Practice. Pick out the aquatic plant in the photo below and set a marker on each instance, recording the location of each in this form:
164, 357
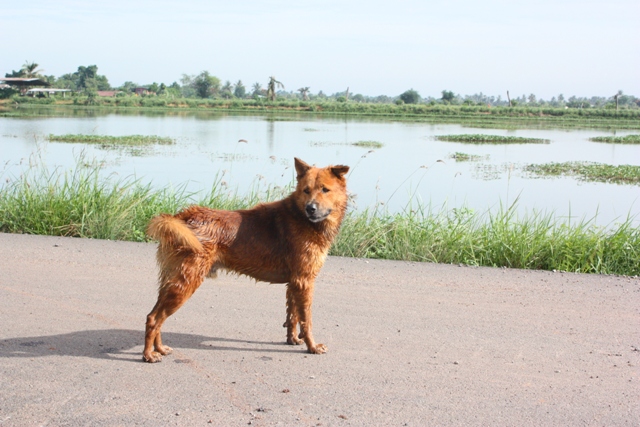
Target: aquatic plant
112, 140
368, 144
464, 157
589, 171
627, 139
490, 139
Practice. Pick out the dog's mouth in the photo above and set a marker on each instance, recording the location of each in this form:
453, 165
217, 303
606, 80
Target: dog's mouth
318, 218
316, 215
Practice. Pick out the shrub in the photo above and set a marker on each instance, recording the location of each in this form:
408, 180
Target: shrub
410, 97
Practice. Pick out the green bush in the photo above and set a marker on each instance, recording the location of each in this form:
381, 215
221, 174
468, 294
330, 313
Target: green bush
7, 92
128, 101
152, 101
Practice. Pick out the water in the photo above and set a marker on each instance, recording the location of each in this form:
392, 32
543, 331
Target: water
411, 168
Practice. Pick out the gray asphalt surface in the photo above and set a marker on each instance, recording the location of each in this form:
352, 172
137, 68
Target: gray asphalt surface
409, 344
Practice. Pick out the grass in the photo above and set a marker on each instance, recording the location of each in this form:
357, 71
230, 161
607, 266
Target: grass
83, 203
490, 139
129, 140
496, 240
627, 139
588, 171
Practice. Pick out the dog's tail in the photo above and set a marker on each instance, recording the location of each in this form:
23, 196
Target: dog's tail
171, 231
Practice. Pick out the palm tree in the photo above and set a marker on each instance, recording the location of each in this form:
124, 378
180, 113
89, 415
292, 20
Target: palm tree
226, 90
256, 89
304, 91
271, 88
30, 70
239, 90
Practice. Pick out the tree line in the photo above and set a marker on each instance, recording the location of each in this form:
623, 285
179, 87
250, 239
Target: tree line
86, 80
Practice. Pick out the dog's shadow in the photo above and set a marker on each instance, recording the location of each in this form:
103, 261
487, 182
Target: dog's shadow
120, 344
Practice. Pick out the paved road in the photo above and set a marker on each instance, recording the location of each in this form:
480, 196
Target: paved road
409, 344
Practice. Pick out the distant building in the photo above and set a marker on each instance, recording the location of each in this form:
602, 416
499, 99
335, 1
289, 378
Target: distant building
46, 91
141, 90
21, 81
23, 84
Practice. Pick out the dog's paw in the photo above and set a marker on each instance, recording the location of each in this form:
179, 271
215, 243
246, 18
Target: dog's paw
294, 341
164, 350
318, 349
152, 357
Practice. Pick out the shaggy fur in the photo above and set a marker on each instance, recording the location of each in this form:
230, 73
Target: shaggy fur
280, 242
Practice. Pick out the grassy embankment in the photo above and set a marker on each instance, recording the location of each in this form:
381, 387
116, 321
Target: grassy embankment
472, 115
82, 203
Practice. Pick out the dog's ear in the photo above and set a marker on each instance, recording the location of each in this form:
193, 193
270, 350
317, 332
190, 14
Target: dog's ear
339, 170
301, 167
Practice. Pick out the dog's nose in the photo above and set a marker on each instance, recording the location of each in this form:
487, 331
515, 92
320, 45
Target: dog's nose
311, 208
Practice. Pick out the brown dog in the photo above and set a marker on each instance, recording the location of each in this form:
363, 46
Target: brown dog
280, 242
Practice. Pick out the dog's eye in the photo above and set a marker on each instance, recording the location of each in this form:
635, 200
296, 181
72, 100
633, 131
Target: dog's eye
325, 190
307, 191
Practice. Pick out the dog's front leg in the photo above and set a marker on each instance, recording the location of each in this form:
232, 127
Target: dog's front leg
303, 298
291, 323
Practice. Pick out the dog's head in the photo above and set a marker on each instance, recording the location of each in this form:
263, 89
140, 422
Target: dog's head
321, 193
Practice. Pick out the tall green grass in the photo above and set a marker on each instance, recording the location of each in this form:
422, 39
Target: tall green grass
500, 239
84, 203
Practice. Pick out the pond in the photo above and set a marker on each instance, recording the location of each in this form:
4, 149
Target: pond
410, 169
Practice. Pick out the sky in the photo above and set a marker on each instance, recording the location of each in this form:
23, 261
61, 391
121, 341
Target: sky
544, 47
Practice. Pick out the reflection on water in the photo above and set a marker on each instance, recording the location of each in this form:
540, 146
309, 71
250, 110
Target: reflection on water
410, 168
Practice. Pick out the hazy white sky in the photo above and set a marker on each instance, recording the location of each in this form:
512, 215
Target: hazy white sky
545, 47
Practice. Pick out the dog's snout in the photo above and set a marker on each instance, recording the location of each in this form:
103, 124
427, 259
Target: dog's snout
311, 208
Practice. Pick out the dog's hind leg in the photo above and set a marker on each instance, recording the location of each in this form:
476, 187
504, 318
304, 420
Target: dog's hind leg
291, 323
172, 295
170, 299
